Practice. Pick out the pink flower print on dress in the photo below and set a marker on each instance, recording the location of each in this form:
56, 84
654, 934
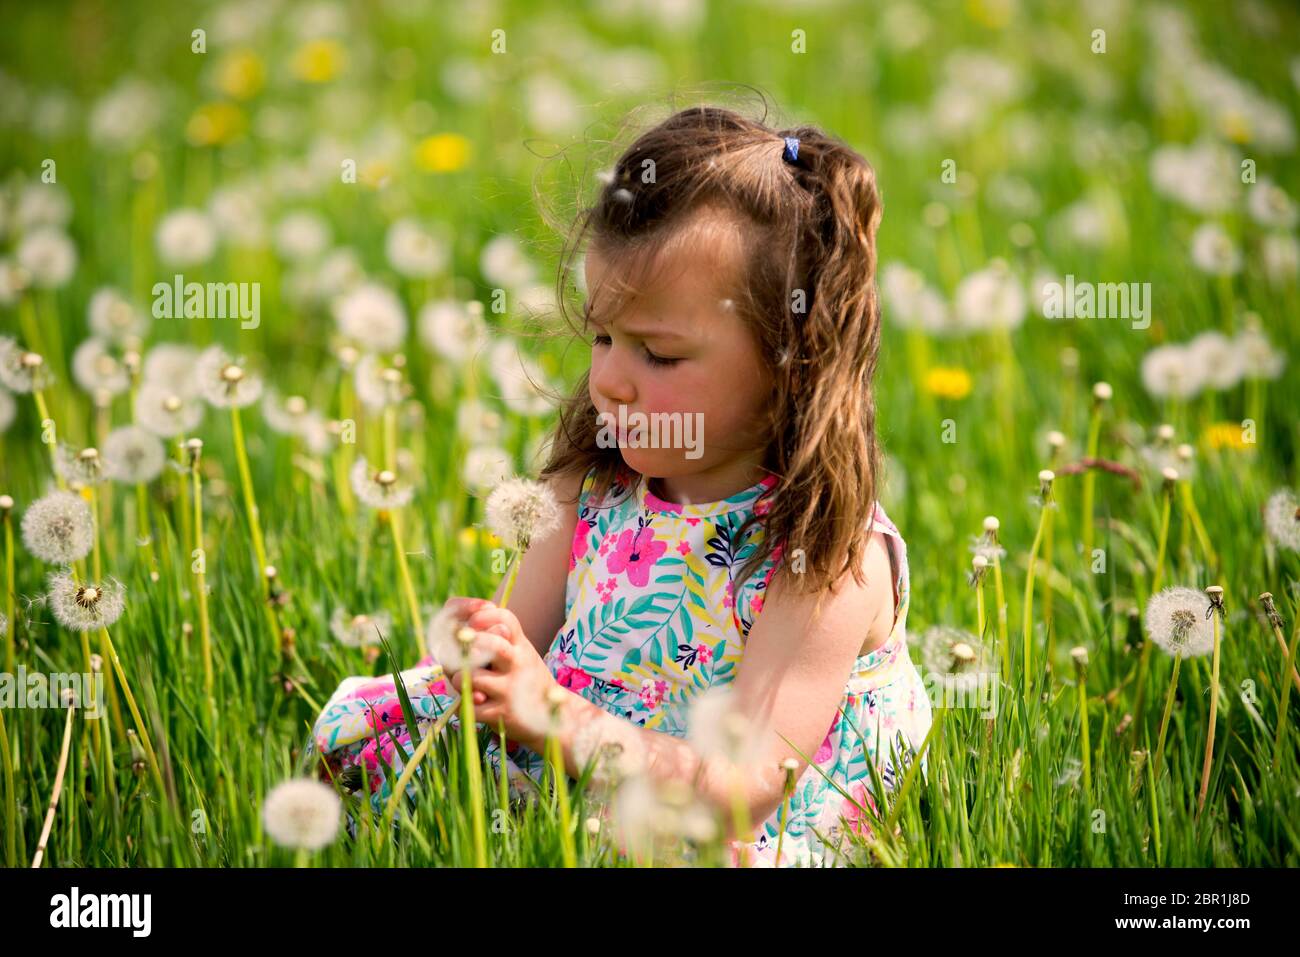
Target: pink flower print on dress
857, 817
579, 549
575, 679
692, 521
605, 542
704, 653
636, 553
438, 687
729, 599
652, 693
684, 547
825, 751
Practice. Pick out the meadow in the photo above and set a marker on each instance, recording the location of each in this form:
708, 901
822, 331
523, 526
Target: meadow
366, 197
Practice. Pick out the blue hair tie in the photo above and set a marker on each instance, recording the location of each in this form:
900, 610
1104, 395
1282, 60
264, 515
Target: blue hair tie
791, 152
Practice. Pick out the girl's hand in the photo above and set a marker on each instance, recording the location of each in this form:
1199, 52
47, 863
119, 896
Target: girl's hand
513, 688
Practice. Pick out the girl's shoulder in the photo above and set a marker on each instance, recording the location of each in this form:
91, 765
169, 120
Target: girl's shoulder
592, 496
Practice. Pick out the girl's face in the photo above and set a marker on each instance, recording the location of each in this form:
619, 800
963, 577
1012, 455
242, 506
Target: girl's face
680, 355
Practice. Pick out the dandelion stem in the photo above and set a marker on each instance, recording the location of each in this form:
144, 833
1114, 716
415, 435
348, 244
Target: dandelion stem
510, 578
145, 527
43, 412
10, 647
1169, 707
1166, 508
200, 580
1001, 597
1090, 477
57, 791
1084, 745
1282, 713
979, 607
250, 502
408, 589
1214, 710
135, 711
11, 796
472, 769
1043, 519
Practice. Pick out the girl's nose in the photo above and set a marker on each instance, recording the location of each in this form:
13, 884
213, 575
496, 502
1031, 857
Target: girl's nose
610, 380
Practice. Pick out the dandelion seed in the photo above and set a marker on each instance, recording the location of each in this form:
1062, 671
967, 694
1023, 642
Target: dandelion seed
372, 317
453, 645
529, 701
1214, 252
378, 386
22, 371
1282, 519
379, 488
301, 235
186, 237
485, 467
613, 744
954, 657
79, 466
1259, 358
302, 813
96, 369
85, 606
166, 413
356, 631
1176, 622
414, 251
112, 316
48, 256
519, 511
59, 528
223, 382
133, 455
172, 364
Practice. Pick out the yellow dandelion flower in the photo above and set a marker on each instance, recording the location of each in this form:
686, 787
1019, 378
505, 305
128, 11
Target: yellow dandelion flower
947, 383
442, 153
471, 536
215, 124
318, 61
1235, 126
991, 13
241, 74
1224, 435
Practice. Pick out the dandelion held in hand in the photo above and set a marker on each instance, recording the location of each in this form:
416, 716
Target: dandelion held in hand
85, 607
452, 644
59, 528
518, 512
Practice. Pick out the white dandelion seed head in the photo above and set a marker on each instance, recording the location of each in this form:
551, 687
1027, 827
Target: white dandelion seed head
173, 365
85, 606
443, 640
284, 416
519, 511
521, 380
954, 657
185, 237
1171, 372
413, 250
529, 704
991, 523
302, 235
453, 329
485, 467
113, 317
224, 382
613, 744
59, 528
302, 813
372, 317
1282, 519
48, 256
14, 280
79, 466
1177, 623
1102, 391
96, 369
1280, 254
504, 263
21, 370
133, 455
375, 384
1214, 252
356, 631
992, 298
1269, 205
1259, 358
478, 423
1218, 359
165, 412
379, 488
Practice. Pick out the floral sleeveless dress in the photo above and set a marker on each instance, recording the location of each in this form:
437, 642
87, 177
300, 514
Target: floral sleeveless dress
653, 617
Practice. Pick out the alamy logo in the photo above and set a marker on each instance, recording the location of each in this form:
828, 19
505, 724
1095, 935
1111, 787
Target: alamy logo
212, 300
36, 689
1107, 300
657, 430
103, 910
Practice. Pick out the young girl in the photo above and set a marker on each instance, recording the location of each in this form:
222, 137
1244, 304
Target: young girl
730, 278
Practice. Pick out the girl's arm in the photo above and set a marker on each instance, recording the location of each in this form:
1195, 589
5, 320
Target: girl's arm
538, 595
793, 676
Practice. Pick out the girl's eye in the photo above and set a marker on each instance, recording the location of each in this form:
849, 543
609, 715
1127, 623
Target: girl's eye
649, 356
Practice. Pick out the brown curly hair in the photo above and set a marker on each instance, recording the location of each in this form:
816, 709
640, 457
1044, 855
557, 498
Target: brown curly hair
807, 291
